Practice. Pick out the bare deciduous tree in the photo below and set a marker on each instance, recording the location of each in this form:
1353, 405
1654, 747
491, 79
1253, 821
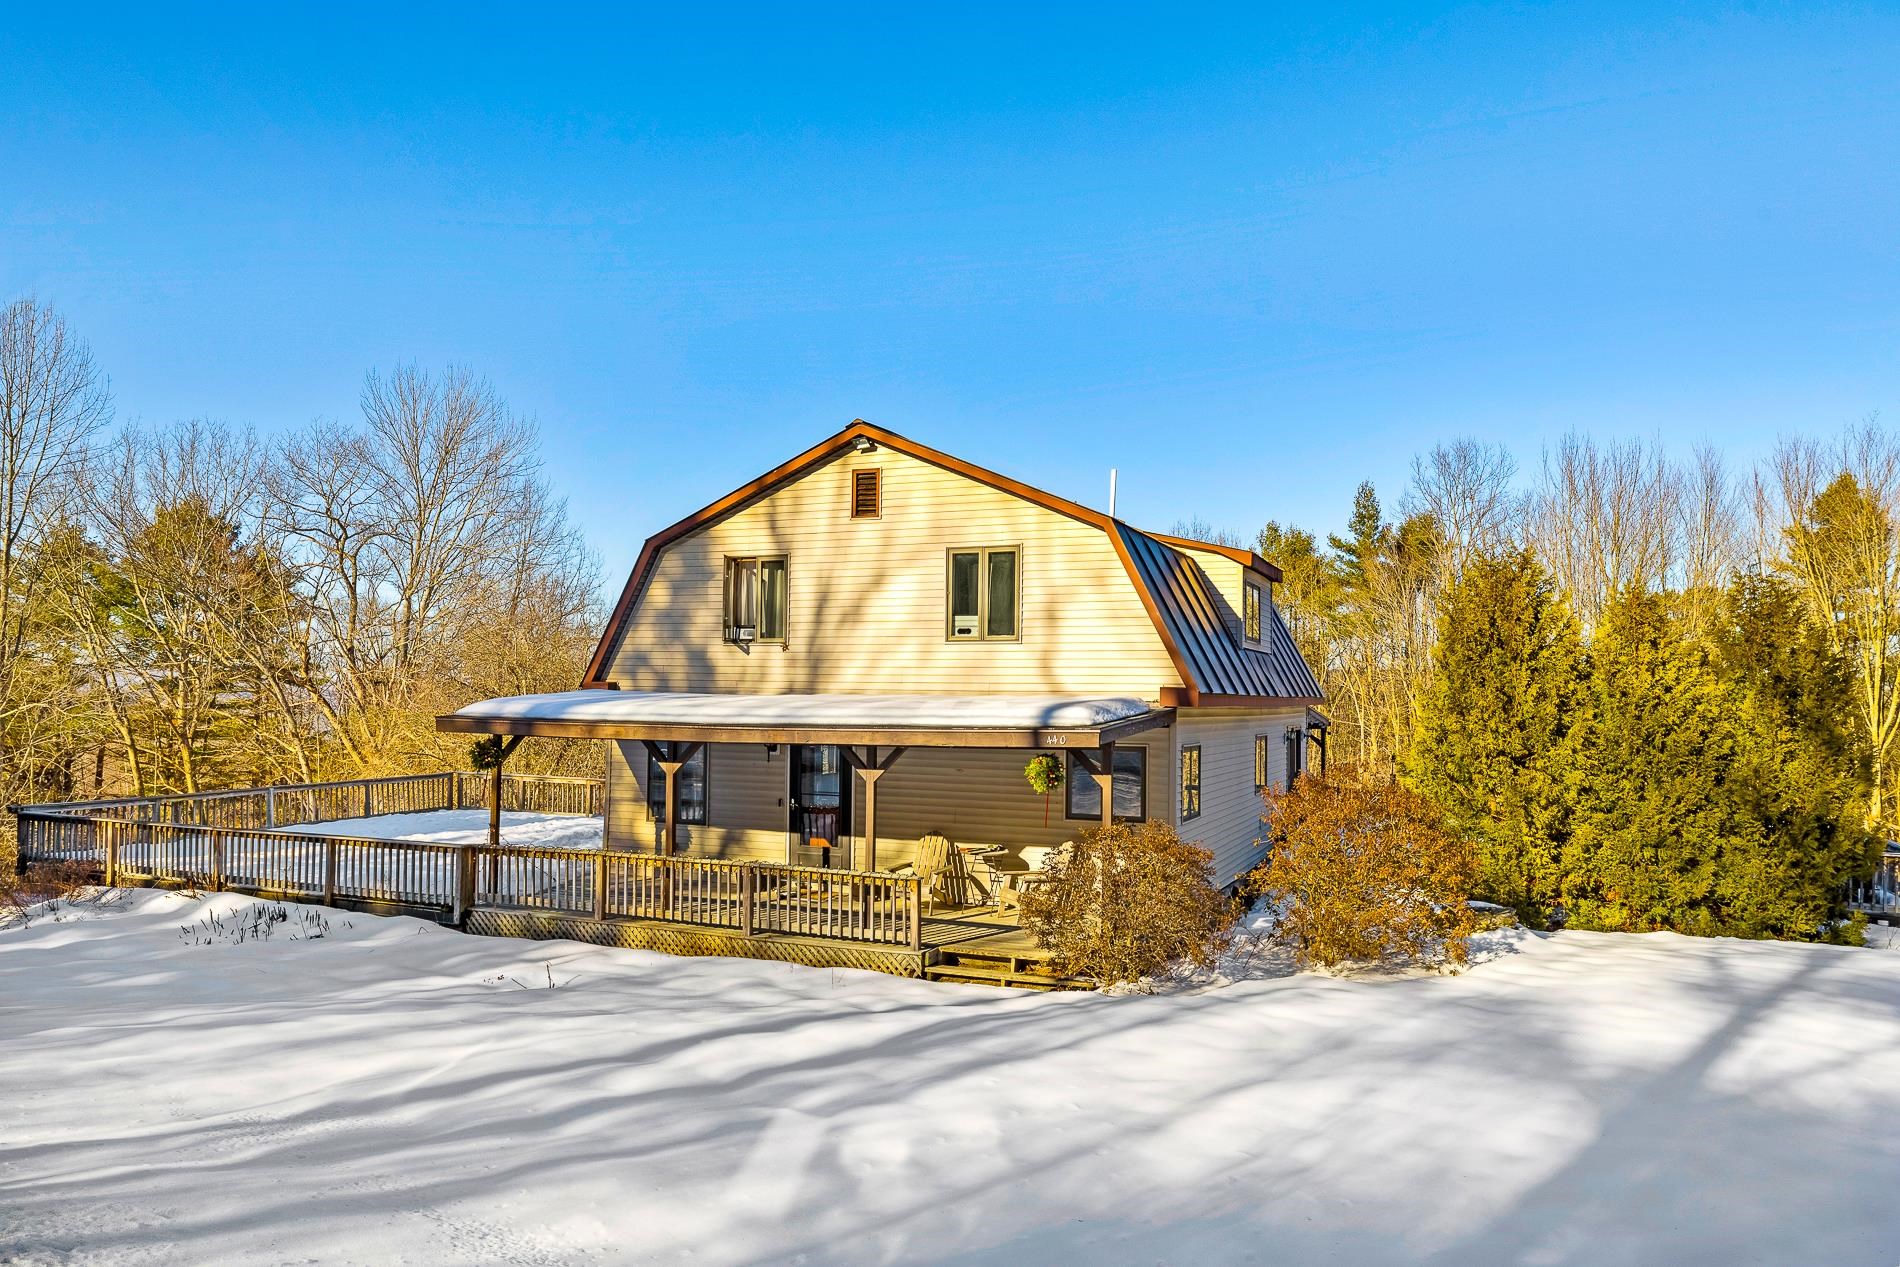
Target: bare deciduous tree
1708, 533
1466, 488
424, 543
53, 402
1604, 517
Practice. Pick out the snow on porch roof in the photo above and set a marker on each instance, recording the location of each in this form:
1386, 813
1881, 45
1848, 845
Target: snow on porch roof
1018, 721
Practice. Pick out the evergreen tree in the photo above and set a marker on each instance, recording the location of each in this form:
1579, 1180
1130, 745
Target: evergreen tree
1356, 554
1717, 787
1807, 767
1308, 595
1492, 740
1656, 817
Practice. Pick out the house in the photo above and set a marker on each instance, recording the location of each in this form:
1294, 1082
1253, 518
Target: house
867, 644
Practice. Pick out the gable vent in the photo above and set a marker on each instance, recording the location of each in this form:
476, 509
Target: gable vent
866, 502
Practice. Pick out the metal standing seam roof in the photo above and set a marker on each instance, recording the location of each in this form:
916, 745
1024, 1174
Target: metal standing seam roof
1187, 606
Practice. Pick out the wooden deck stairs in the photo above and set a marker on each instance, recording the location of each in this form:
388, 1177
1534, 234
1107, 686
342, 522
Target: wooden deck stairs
1009, 958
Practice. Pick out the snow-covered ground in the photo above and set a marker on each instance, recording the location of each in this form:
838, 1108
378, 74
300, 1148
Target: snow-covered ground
467, 827
395, 1092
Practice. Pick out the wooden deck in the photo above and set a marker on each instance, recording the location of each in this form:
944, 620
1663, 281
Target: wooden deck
972, 945
242, 841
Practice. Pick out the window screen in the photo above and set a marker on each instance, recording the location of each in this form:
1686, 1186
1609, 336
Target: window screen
966, 594
771, 600
999, 620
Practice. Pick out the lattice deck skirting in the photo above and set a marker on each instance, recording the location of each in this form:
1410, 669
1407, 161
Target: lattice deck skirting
677, 939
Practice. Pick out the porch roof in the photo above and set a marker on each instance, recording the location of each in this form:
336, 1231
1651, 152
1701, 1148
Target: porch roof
942, 721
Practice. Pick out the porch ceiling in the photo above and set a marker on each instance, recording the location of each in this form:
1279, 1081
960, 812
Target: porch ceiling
941, 721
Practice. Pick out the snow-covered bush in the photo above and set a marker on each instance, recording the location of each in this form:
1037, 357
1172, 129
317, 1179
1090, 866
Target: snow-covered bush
1124, 902
1365, 874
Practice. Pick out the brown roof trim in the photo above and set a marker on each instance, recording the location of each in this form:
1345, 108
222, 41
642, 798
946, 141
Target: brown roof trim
650, 552
816, 456
1175, 697
1239, 554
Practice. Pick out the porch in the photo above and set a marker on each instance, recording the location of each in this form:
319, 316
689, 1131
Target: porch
802, 779
418, 845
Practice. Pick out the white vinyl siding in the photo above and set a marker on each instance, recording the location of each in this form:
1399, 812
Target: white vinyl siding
1229, 823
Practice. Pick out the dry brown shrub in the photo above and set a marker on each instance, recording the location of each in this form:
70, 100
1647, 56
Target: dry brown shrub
1125, 902
42, 882
1364, 873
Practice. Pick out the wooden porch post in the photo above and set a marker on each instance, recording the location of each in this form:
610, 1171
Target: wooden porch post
494, 810
494, 807
676, 756
670, 757
494, 790
870, 775
1104, 778
669, 770
870, 769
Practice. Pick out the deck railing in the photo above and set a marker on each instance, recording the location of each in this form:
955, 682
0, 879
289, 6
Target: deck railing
1879, 895
247, 842
751, 898
293, 804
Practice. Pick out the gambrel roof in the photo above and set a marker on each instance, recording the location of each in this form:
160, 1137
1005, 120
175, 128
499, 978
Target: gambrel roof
1184, 608
1215, 669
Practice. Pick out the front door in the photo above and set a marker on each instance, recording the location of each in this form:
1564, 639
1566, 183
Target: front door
820, 807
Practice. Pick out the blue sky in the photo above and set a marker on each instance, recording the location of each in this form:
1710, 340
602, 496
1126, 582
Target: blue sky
1248, 256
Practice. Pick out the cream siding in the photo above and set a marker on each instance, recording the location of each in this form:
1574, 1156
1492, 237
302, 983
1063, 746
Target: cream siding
867, 597
1228, 580
975, 796
1229, 824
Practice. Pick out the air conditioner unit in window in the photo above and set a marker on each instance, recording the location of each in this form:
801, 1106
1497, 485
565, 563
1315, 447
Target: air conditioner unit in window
964, 626
744, 635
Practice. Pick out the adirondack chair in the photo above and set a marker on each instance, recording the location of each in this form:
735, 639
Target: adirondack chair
1012, 881
932, 864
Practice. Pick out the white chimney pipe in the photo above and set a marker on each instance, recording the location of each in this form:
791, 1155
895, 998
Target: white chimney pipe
1111, 492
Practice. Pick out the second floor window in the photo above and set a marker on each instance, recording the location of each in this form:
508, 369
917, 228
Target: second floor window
755, 600
1250, 612
984, 593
